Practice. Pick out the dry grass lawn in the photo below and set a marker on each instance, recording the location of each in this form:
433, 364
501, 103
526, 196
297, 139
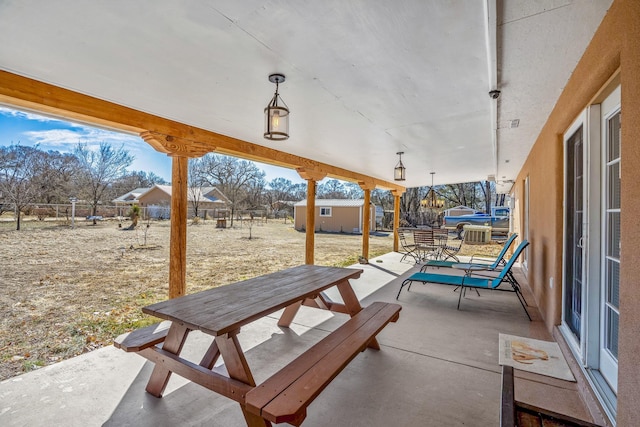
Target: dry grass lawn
66, 291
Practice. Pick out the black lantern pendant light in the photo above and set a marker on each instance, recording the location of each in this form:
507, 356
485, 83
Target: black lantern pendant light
276, 114
399, 171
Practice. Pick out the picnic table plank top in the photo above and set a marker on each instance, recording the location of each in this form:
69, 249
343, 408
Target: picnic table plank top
224, 309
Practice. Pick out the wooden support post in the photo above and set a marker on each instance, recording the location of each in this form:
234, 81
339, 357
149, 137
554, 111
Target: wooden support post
310, 223
178, 243
396, 219
312, 176
366, 217
366, 224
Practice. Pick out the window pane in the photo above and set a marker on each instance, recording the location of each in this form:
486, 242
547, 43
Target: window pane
613, 177
614, 138
613, 283
612, 332
613, 237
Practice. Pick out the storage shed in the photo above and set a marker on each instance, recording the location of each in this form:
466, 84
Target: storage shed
335, 215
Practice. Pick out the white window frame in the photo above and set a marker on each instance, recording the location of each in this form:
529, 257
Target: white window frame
325, 211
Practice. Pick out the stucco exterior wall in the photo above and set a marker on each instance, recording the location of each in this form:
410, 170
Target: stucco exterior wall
615, 48
155, 196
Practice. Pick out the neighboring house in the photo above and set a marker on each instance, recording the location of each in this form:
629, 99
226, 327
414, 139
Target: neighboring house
130, 198
157, 200
335, 215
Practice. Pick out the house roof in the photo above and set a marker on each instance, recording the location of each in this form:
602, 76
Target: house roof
202, 194
334, 203
207, 194
131, 196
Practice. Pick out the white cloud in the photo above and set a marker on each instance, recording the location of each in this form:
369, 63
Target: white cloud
10, 112
79, 134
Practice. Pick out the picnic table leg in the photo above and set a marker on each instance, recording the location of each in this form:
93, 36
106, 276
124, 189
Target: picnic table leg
289, 313
176, 337
238, 369
353, 306
210, 357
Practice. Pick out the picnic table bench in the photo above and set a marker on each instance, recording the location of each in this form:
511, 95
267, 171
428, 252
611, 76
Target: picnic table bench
285, 396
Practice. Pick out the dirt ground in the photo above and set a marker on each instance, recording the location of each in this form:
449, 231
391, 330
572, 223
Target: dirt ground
67, 291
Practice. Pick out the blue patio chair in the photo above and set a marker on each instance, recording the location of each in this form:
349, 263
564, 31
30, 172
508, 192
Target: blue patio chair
497, 263
469, 281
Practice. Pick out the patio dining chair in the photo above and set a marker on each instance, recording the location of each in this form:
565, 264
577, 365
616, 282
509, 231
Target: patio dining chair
426, 246
450, 251
408, 248
472, 281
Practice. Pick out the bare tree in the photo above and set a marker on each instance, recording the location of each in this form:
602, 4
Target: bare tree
410, 205
299, 191
331, 189
486, 191
255, 193
384, 199
197, 180
55, 176
232, 176
99, 168
280, 189
353, 191
17, 184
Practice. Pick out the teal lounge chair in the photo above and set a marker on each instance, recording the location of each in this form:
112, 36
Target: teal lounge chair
498, 262
469, 281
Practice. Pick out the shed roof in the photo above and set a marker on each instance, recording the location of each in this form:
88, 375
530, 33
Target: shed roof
335, 202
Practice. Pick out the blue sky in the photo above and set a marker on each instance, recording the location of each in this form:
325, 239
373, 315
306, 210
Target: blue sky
28, 129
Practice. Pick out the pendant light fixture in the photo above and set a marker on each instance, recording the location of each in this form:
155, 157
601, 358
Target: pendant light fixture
276, 114
430, 200
399, 171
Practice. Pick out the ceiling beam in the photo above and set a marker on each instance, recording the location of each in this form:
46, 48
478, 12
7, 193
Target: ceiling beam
164, 135
491, 31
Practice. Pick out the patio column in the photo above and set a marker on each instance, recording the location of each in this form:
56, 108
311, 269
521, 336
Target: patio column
312, 177
178, 243
366, 217
180, 150
396, 218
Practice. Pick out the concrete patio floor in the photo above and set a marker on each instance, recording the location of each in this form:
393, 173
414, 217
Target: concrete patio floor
438, 366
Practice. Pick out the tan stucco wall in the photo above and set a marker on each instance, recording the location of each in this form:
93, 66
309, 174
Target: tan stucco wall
155, 197
616, 45
342, 219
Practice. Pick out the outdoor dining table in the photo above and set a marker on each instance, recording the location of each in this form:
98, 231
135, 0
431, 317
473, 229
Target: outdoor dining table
429, 243
223, 311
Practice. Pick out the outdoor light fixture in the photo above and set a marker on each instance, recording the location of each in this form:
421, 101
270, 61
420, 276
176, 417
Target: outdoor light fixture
430, 201
399, 170
276, 126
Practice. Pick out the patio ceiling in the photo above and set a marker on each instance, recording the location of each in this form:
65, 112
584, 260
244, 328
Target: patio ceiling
364, 79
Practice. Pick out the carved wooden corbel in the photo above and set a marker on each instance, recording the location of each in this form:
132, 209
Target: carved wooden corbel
175, 146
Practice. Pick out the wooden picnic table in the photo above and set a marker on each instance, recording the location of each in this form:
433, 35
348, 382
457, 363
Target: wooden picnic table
222, 311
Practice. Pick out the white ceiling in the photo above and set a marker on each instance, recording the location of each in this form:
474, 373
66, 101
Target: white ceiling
365, 79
